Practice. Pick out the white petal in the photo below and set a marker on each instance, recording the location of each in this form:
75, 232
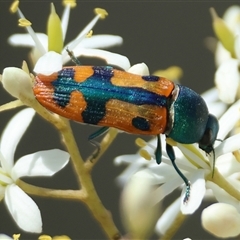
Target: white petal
197, 192
227, 164
12, 135
25, 40
231, 144
221, 54
5, 237
100, 41
228, 120
168, 217
140, 69
23, 209
210, 95
43, 163
227, 80
169, 186
111, 58
17, 82
217, 108
49, 63
137, 163
65, 20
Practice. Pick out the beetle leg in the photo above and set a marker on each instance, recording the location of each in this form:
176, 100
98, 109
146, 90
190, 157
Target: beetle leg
73, 58
94, 135
158, 151
171, 155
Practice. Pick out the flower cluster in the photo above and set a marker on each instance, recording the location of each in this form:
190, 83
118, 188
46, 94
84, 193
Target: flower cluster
45, 50
220, 180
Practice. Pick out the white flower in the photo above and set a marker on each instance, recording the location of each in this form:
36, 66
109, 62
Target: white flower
227, 76
23, 209
81, 45
5, 237
194, 164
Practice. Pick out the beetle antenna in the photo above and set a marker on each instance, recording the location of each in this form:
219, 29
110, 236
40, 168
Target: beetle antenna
213, 162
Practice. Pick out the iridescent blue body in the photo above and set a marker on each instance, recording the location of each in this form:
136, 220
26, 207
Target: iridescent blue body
148, 105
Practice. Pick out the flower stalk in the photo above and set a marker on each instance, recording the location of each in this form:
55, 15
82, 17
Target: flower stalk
176, 224
224, 184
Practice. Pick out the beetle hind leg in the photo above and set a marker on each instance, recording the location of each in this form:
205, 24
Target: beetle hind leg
158, 151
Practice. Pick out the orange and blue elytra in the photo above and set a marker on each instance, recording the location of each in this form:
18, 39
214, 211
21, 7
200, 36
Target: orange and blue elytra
149, 105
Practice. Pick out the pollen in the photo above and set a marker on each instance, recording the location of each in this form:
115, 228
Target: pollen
14, 6
145, 154
101, 12
140, 142
71, 3
63, 237
89, 34
45, 237
16, 236
23, 22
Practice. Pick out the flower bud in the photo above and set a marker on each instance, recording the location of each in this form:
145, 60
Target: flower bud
139, 213
17, 82
221, 220
140, 69
223, 32
55, 35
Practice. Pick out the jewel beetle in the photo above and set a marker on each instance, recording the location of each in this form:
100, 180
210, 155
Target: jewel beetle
149, 105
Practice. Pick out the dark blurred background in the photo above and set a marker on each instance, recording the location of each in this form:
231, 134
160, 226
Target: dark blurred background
159, 33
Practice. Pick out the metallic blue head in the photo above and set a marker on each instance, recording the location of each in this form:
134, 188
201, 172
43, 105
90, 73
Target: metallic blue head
191, 122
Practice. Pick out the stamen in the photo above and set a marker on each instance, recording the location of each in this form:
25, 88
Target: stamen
16, 236
140, 142
66, 14
101, 12
23, 22
171, 142
145, 154
14, 6
71, 3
